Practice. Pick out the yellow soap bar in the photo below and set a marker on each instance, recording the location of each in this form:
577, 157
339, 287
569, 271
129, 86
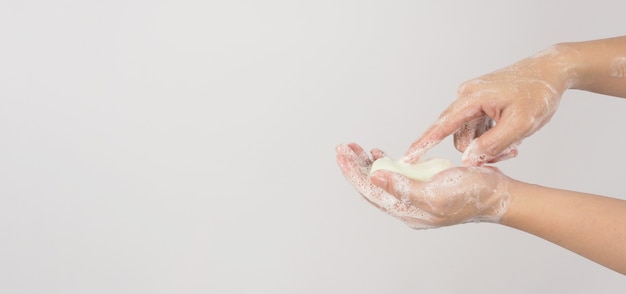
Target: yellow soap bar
421, 171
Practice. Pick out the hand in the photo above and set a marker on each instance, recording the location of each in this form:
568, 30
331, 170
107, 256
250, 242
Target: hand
355, 165
457, 195
493, 113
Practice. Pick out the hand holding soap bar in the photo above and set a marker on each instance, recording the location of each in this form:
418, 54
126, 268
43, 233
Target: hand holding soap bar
421, 171
458, 195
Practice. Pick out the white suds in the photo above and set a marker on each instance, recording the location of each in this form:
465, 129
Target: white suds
618, 67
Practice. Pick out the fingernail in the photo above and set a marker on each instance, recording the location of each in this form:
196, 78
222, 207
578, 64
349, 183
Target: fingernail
379, 179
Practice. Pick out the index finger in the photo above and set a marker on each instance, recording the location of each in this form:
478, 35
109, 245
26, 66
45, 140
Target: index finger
457, 114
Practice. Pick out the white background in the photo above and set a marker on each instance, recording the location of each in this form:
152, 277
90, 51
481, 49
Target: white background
188, 146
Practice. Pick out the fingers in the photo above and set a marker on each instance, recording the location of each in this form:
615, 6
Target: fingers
377, 153
470, 131
354, 174
506, 154
499, 142
346, 159
355, 165
361, 155
450, 120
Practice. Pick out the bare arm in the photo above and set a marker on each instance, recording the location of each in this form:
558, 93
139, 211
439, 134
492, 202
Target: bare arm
590, 225
600, 65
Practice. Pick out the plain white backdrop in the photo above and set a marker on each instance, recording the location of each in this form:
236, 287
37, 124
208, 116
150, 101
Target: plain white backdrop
188, 146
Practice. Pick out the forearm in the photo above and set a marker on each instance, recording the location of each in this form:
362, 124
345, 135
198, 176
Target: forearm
590, 225
597, 66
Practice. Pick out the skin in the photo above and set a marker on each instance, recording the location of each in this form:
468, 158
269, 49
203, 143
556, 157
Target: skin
521, 98
418, 204
490, 117
590, 225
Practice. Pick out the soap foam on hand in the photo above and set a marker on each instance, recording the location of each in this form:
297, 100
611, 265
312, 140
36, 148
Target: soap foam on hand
421, 171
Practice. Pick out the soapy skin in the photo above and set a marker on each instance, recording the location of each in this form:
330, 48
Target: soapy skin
500, 108
493, 113
453, 196
483, 194
505, 106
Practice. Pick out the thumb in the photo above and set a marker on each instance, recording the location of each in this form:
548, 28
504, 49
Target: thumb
498, 143
395, 184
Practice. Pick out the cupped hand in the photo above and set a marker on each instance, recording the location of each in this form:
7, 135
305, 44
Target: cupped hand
355, 165
457, 195
493, 113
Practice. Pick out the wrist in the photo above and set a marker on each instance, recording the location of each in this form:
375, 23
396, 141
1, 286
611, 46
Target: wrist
519, 192
503, 198
569, 64
496, 205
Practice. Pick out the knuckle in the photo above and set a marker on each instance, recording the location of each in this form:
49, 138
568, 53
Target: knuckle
490, 150
468, 87
464, 88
